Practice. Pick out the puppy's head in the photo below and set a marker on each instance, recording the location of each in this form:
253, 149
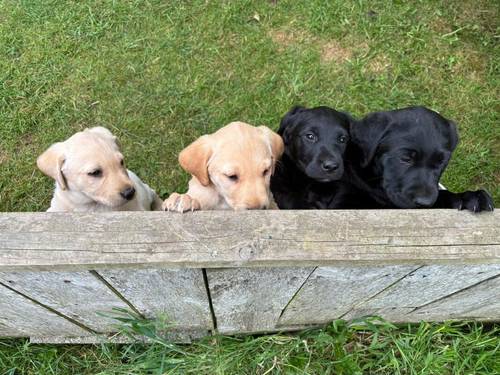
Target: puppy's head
89, 163
238, 161
407, 150
315, 140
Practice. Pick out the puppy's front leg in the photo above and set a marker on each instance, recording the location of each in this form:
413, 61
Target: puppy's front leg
180, 203
198, 197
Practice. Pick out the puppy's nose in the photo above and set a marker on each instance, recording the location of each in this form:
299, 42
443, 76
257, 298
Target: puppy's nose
423, 201
329, 165
128, 193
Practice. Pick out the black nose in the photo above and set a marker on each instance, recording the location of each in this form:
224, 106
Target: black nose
128, 193
329, 165
423, 201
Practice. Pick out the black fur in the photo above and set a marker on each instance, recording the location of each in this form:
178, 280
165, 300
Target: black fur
397, 158
394, 159
315, 142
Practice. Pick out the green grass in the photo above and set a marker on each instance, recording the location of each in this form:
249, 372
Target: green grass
161, 73
362, 347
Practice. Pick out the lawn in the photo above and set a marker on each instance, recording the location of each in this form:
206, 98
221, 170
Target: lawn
161, 73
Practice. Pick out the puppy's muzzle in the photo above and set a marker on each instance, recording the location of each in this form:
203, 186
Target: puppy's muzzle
252, 206
128, 193
329, 165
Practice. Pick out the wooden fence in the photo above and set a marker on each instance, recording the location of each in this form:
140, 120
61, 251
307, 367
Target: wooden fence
244, 272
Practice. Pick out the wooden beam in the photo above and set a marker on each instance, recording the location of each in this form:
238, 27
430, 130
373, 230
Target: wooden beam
209, 239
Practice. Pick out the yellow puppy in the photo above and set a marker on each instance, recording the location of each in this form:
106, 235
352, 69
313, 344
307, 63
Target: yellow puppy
90, 175
231, 169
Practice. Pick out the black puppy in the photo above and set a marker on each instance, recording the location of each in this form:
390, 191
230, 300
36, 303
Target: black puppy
315, 142
397, 158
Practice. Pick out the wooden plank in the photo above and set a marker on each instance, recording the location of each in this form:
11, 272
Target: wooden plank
78, 295
249, 300
480, 302
6, 331
251, 238
22, 317
330, 292
420, 288
178, 294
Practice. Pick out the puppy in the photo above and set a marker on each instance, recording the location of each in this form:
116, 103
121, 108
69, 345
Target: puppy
231, 169
315, 142
90, 175
396, 159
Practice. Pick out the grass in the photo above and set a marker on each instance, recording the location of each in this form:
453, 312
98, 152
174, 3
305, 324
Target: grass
367, 346
161, 73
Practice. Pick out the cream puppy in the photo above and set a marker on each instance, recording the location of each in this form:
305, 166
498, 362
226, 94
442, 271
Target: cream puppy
231, 169
90, 175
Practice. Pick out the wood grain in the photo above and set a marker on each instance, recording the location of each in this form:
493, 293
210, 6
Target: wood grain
177, 294
478, 302
78, 295
20, 317
400, 302
210, 239
330, 292
251, 299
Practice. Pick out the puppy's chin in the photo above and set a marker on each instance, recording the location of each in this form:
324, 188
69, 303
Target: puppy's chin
111, 203
325, 177
400, 200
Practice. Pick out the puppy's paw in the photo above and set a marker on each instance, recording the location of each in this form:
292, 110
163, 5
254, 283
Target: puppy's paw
180, 203
475, 201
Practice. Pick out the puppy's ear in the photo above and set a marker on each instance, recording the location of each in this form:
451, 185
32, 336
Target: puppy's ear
102, 131
194, 159
349, 118
275, 141
288, 120
367, 134
51, 162
453, 135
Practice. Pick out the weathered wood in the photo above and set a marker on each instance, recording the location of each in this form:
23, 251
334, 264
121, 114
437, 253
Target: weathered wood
252, 299
21, 317
422, 287
330, 292
178, 294
35, 241
78, 295
480, 302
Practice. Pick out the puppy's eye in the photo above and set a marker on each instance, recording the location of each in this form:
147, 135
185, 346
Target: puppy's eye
95, 173
408, 158
311, 137
122, 163
266, 172
342, 139
232, 177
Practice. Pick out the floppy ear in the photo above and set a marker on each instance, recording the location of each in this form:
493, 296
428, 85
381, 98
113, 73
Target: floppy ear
368, 134
194, 159
51, 162
275, 141
288, 120
453, 135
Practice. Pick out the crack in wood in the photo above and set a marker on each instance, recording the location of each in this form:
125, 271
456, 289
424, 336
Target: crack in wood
454, 293
295, 295
210, 303
54, 311
106, 283
359, 304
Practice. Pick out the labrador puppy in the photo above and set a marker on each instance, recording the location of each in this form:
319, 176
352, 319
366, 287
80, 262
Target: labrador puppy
90, 175
396, 158
315, 142
231, 169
